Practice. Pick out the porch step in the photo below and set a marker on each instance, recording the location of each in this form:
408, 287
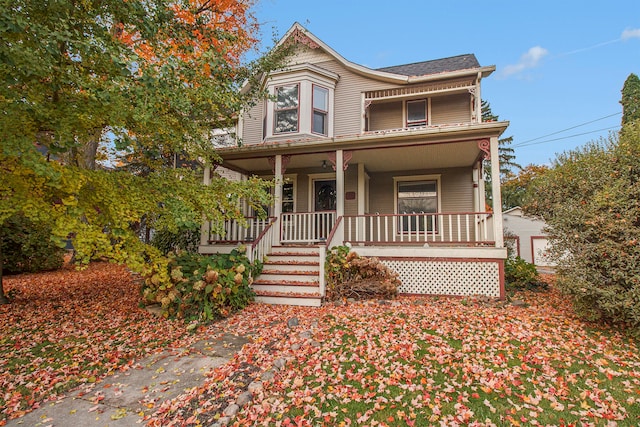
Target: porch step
291, 276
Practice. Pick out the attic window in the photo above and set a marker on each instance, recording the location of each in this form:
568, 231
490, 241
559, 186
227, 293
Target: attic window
286, 110
417, 113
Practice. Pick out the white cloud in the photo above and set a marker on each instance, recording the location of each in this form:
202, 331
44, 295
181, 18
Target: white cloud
530, 59
630, 33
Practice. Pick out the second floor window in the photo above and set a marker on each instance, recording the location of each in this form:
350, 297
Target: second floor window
286, 112
417, 113
320, 109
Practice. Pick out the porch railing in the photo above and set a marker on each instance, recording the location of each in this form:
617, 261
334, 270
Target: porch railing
472, 228
306, 227
235, 231
263, 243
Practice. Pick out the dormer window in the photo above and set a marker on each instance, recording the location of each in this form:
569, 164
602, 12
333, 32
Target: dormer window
417, 113
320, 110
286, 109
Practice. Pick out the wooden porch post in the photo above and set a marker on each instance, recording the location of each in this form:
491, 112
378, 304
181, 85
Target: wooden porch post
277, 199
495, 191
204, 230
361, 189
339, 183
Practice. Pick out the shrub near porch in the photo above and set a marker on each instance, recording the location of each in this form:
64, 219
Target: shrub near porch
204, 288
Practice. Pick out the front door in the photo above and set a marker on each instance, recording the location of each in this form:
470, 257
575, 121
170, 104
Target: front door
324, 191
324, 204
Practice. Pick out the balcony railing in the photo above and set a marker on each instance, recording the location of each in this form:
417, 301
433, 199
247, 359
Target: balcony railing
466, 228
236, 231
307, 227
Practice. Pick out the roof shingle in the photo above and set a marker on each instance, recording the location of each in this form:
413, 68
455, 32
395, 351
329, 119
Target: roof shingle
436, 66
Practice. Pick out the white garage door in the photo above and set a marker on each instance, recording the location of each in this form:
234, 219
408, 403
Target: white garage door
540, 247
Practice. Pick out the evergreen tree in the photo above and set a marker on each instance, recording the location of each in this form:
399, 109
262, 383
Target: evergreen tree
505, 153
630, 99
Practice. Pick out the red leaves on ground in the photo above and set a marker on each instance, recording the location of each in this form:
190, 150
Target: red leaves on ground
69, 327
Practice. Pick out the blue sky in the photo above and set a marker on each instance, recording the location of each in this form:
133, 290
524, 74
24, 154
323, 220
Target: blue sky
560, 65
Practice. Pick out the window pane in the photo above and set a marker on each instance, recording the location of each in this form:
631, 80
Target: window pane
417, 113
286, 121
319, 122
287, 97
287, 206
287, 191
417, 189
320, 98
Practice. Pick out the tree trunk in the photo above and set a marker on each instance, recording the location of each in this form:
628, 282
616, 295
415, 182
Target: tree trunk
3, 297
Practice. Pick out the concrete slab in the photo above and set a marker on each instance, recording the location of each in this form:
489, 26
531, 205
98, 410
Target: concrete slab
123, 399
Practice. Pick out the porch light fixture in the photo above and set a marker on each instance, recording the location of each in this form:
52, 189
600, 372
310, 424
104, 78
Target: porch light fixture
324, 164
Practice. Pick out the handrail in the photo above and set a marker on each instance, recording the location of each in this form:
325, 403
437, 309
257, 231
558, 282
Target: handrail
263, 243
328, 243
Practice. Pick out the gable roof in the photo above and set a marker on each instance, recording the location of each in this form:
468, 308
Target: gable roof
436, 66
462, 65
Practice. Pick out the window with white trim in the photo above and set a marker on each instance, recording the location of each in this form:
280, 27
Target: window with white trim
286, 109
320, 110
417, 113
417, 197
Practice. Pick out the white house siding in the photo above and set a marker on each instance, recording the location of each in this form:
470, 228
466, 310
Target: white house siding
450, 109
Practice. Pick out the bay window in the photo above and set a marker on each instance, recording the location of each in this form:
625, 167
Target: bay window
286, 109
320, 110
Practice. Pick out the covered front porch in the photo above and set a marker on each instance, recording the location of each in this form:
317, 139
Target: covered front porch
418, 207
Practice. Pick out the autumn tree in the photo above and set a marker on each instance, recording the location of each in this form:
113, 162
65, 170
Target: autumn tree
590, 200
151, 78
514, 187
506, 155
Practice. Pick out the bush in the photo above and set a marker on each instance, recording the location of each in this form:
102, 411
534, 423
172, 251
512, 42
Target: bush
204, 288
520, 274
185, 239
27, 246
350, 276
590, 200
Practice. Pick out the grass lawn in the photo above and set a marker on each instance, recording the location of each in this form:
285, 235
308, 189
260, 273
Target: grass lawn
418, 361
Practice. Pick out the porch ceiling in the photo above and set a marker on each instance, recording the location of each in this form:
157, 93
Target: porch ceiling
385, 159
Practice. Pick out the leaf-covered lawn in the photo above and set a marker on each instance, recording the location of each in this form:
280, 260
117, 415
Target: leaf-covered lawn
427, 361
68, 327
418, 361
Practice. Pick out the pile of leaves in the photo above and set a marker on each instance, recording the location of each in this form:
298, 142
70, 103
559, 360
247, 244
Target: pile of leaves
350, 276
68, 328
203, 287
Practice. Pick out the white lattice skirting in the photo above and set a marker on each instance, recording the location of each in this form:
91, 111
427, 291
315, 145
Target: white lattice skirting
436, 277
